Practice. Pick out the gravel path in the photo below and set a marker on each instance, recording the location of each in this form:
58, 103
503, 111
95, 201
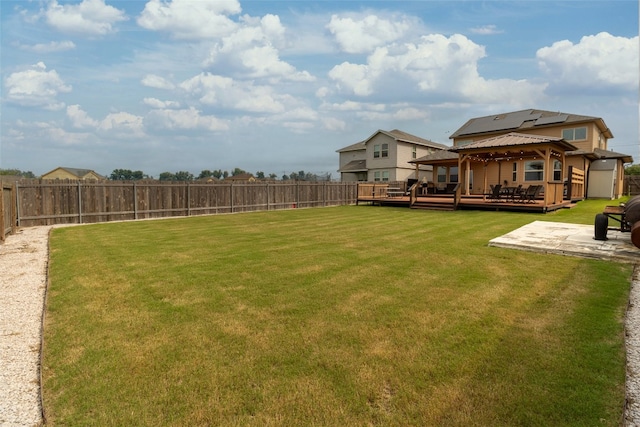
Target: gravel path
23, 272
23, 269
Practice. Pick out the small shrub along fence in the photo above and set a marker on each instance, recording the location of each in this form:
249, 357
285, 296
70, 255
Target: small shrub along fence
49, 202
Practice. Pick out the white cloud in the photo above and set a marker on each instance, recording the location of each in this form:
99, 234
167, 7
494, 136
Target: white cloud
122, 124
36, 87
151, 80
190, 19
156, 103
486, 30
79, 118
225, 92
185, 119
92, 17
50, 47
596, 60
353, 106
435, 65
363, 35
333, 124
357, 78
253, 50
298, 127
399, 113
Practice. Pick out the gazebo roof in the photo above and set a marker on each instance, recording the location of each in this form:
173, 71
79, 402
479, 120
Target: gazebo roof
514, 140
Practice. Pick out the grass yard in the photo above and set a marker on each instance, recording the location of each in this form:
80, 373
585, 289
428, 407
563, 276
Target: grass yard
347, 316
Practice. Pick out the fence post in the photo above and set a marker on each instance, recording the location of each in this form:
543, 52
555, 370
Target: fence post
2, 208
188, 198
79, 205
268, 198
135, 200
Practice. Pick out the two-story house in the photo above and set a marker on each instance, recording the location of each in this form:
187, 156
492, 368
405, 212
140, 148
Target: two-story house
385, 156
484, 155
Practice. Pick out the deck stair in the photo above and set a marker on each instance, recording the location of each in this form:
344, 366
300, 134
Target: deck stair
442, 204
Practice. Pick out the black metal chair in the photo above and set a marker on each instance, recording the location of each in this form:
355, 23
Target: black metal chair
495, 192
530, 194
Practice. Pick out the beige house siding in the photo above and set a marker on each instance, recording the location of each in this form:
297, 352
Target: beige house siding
595, 137
395, 165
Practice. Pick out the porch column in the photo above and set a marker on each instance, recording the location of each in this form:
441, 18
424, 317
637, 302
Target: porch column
417, 172
548, 174
467, 172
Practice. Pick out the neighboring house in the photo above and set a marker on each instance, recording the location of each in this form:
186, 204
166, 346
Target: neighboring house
385, 156
241, 177
479, 161
73, 173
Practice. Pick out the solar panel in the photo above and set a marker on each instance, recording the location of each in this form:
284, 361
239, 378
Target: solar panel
500, 122
552, 119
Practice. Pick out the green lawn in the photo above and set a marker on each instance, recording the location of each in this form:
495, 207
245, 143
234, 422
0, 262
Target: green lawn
347, 316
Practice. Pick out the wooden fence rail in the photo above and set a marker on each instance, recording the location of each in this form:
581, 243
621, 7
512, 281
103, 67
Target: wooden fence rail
48, 202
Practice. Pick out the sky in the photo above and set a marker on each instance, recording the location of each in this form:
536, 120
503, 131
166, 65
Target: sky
278, 86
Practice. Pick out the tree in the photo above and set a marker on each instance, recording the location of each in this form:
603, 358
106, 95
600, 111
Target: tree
632, 170
183, 176
206, 174
237, 171
166, 176
260, 175
127, 175
17, 172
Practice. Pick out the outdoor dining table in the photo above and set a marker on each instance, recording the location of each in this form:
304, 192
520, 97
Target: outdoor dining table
510, 192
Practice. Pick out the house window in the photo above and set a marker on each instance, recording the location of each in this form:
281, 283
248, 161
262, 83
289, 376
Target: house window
380, 151
557, 170
534, 170
442, 174
575, 134
414, 152
514, 172
453, 174
381, 176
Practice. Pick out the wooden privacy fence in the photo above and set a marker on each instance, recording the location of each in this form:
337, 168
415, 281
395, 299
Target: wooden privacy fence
631, 185
47, 202
7, 210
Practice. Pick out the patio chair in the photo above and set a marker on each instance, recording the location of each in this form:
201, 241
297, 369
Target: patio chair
495, 192
530, 194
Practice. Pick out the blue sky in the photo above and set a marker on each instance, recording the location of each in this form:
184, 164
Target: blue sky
279, 86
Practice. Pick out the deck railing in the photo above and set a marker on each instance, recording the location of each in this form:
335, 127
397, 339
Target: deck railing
575, 184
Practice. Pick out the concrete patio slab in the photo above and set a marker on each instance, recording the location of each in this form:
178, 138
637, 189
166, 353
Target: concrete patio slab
570, 239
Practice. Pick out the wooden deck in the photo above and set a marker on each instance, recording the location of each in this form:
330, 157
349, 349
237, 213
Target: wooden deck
445, 202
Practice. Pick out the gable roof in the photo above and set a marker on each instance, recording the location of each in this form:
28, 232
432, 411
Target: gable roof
399, 136
514, 139
354, 166
246, 176
524, 119
79, 173
353, 147
605, 154
436, 157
